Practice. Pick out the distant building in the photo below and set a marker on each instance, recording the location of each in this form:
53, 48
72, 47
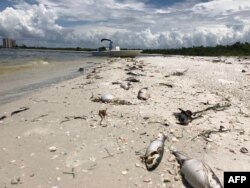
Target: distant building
9, 43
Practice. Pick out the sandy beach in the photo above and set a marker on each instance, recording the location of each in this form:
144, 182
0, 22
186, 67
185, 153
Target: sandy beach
57, 141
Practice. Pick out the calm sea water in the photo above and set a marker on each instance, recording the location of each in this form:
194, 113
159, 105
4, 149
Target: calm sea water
23, 71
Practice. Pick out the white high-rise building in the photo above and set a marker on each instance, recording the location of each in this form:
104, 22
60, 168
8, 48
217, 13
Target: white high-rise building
9, 43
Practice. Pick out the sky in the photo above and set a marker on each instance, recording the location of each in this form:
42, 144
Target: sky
129, 23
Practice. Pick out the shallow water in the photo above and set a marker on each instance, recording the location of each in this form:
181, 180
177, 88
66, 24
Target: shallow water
23, 71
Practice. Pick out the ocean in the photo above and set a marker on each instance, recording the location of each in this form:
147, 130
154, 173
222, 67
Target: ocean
23, 71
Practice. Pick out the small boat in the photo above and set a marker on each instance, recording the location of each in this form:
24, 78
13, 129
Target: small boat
115, 52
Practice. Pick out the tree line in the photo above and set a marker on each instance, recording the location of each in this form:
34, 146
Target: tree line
236, 49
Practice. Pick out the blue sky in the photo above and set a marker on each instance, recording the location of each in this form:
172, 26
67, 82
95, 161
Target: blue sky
129, 23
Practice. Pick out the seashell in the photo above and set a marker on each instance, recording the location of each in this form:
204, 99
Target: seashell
196, 172
154, 152
107, 97
143, 94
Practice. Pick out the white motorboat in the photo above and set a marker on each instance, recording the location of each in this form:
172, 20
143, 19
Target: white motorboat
115, 52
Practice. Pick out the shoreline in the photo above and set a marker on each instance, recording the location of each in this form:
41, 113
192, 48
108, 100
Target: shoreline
62, 130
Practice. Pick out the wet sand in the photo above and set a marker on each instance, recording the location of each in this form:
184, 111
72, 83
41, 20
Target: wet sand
59, 141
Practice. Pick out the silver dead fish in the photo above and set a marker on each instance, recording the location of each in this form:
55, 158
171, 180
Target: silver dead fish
143, 94
155, 152
196, 172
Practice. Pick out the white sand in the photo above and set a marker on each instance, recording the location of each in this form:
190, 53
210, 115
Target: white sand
85, 145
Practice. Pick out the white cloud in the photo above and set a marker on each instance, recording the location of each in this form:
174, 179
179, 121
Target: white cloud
35, 22
130, 23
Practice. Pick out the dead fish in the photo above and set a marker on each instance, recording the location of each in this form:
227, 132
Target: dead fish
107, 97
196, 172
184, 117
143, 94
155, 152
125, 85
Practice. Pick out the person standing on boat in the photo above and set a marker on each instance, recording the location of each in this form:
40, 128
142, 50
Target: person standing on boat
110, 45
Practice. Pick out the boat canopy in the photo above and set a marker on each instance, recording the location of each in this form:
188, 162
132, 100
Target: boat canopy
106, 40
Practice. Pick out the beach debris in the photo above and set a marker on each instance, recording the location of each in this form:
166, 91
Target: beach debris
184, 117
180, 73
164, 122
125, 85
166, 180
166, 84
20, 110
197, 173
135, 67
135, 74
147, 180
15, 181
177, 73
243, 70
102, 114
81, 69
68, 118
154, 152
108, 98
243, 150
216, 60
117, 82
71, 173
124, 172
3, 117
94, 76
132, 79
81, 86
52, 148
216, 107
143, 94
39, 118
109, 154
205, 134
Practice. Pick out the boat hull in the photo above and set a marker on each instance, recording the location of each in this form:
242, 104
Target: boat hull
121, 53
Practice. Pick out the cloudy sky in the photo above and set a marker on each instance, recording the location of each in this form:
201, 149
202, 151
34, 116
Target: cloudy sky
129, 23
